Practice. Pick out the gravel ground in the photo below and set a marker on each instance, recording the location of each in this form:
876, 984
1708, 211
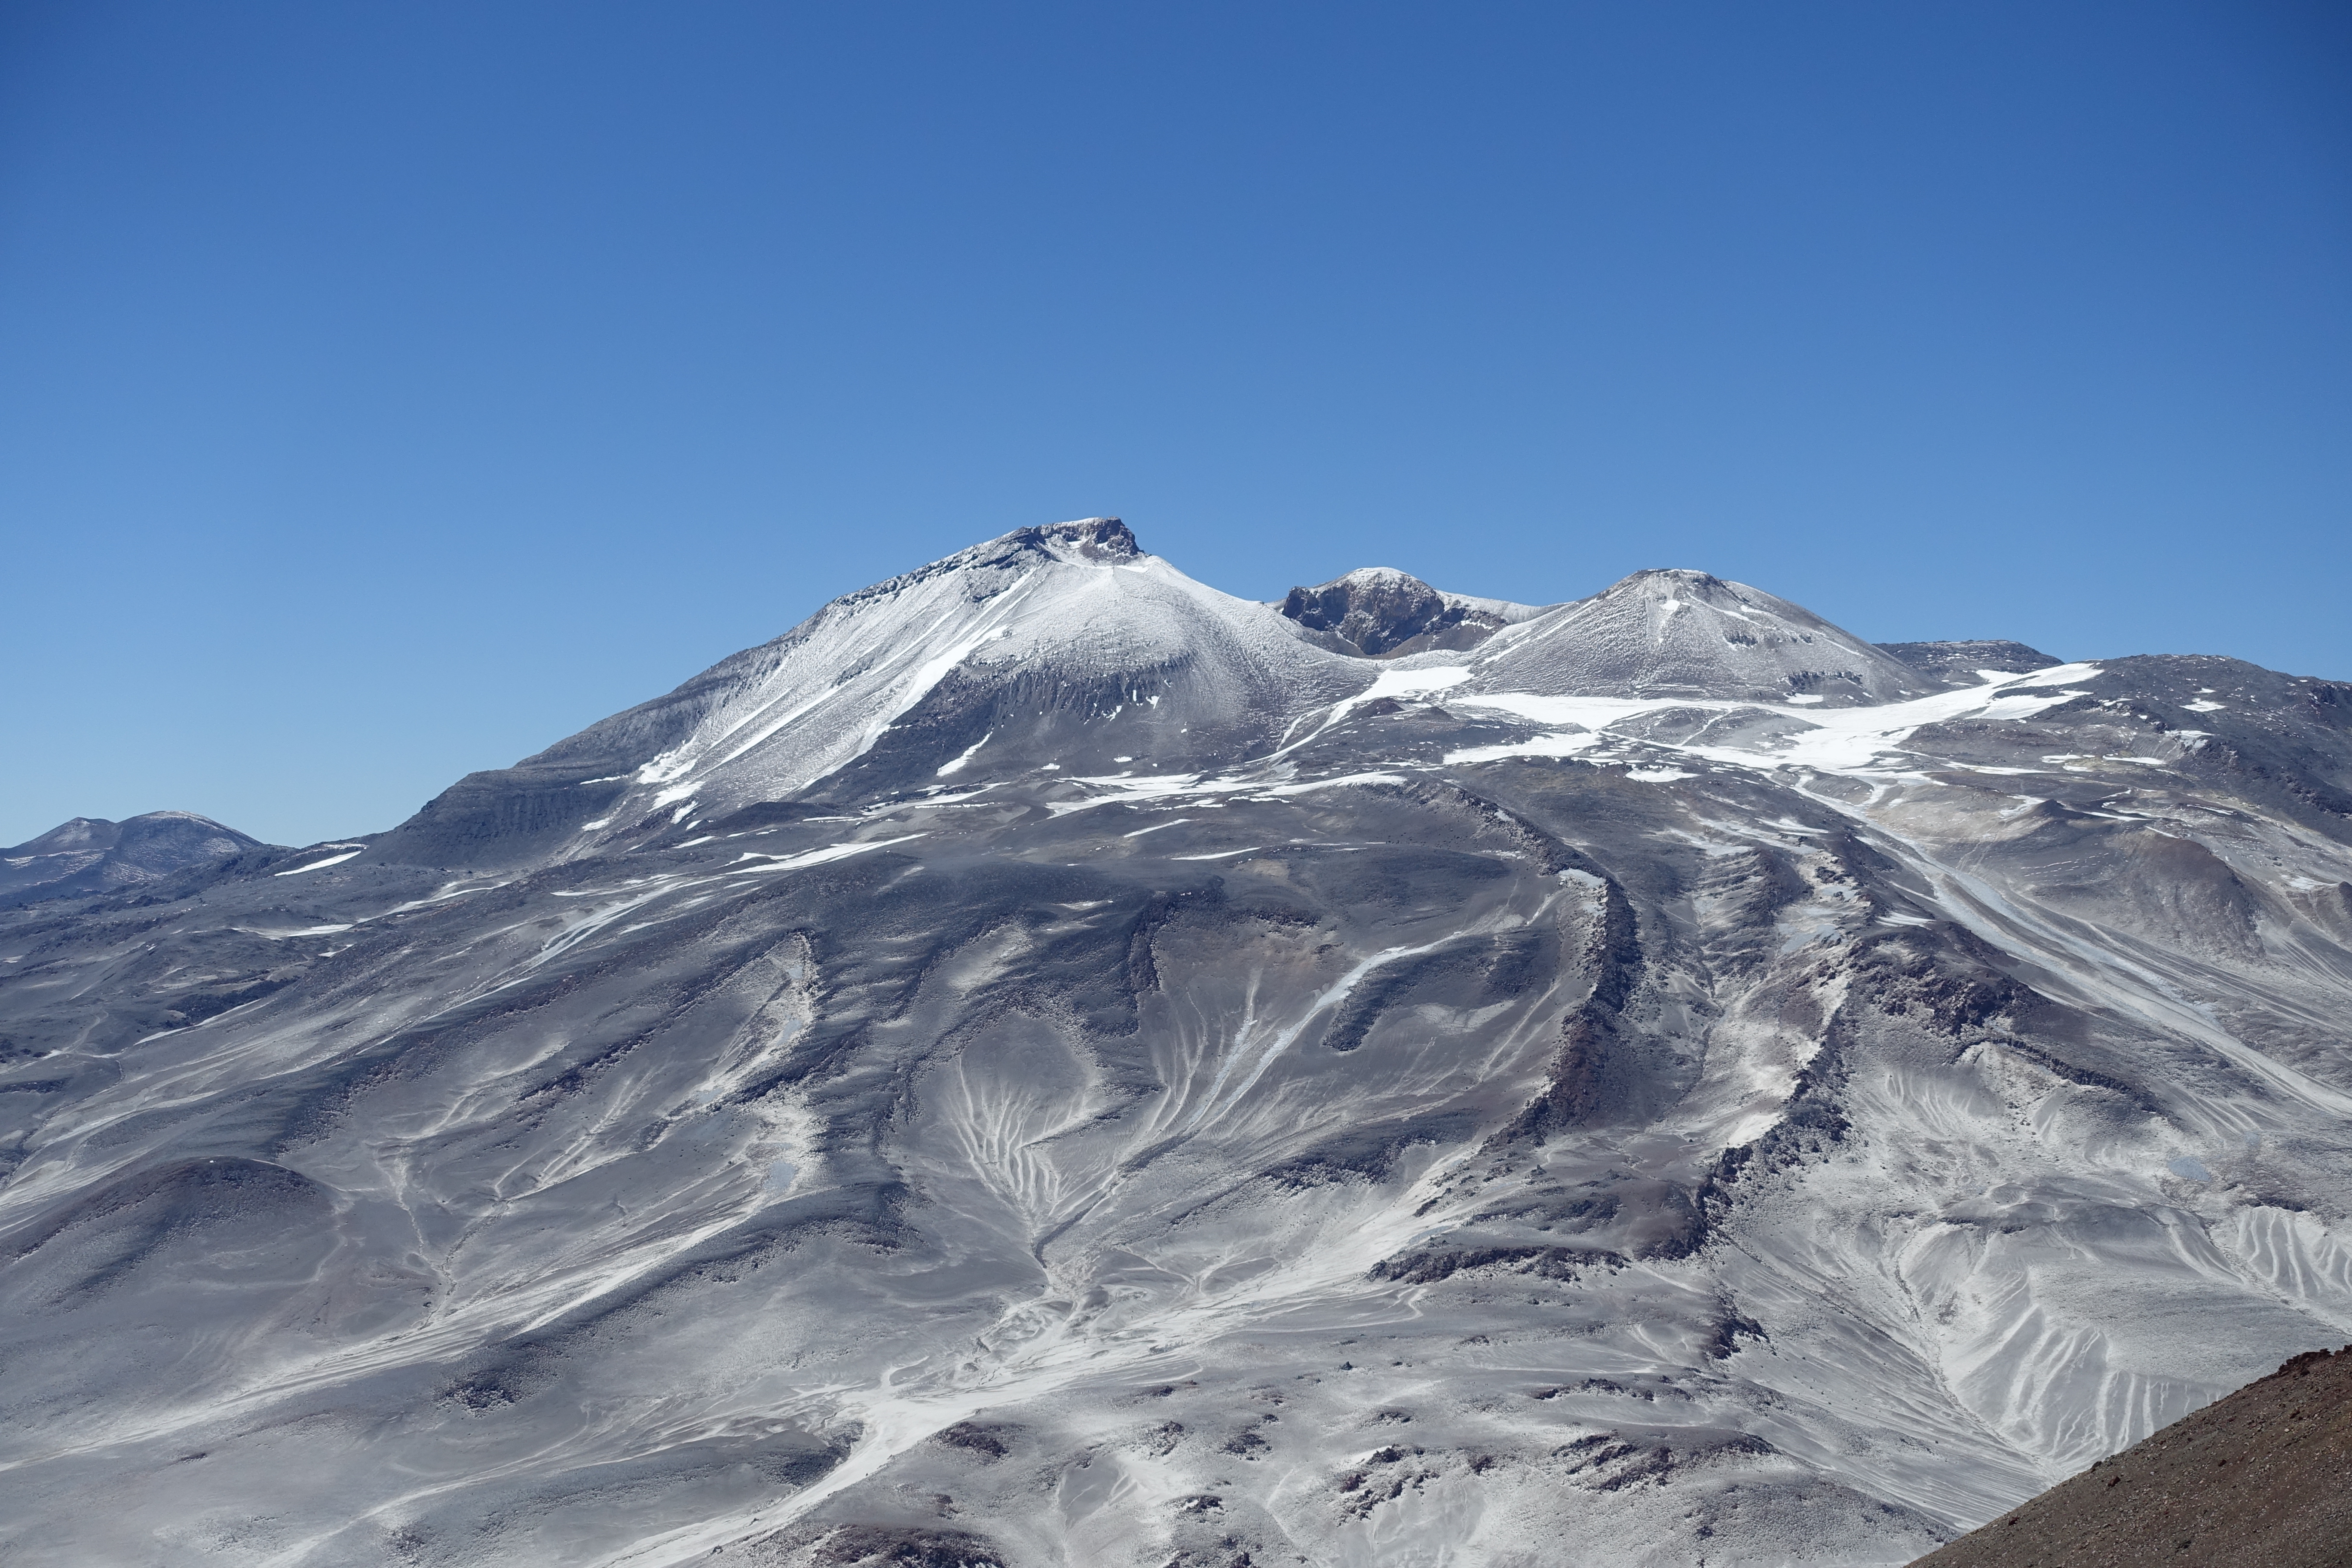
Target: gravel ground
2261, 1480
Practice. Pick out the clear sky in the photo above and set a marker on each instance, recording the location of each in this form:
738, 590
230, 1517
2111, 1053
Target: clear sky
387, 390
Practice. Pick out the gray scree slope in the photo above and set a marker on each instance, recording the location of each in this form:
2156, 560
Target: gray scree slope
1048, 1063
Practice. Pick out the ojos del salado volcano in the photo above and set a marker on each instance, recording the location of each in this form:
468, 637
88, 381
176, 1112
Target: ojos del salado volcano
1047, 1062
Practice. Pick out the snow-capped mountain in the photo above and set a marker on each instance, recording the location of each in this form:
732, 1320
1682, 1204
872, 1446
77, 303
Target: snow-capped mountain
1685, 634
1049, 1063
1031, 646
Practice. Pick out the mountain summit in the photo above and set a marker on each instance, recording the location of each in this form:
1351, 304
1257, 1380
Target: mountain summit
1066, 644
1686, 634
1379, 612
1047, 1062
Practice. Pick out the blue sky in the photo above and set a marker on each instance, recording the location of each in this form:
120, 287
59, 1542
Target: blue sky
389, 390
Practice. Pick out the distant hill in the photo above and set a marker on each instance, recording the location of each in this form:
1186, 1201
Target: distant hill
91, 855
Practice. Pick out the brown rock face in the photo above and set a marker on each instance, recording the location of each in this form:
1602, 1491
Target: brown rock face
2261, 1480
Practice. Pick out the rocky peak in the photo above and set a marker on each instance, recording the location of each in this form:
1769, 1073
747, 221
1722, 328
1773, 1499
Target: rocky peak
1100, 539
1379, 612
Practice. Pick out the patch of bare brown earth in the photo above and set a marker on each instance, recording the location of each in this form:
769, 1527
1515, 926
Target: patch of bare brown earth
2261, 1480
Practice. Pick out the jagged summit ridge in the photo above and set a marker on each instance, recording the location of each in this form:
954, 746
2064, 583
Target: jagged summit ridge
1097, 541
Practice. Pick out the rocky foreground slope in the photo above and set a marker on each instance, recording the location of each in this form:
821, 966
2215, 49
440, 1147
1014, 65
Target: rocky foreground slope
2261, 1480
1049, 1063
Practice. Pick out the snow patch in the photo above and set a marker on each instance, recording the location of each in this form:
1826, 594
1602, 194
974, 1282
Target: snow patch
968, 753
319, 864
830, 853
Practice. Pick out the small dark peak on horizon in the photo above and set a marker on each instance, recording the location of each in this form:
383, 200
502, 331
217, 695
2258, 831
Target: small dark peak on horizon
92, 853
1379, 612
1960, 663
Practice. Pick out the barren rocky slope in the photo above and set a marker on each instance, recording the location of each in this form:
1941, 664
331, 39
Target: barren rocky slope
2261, 1480
1049, 1063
